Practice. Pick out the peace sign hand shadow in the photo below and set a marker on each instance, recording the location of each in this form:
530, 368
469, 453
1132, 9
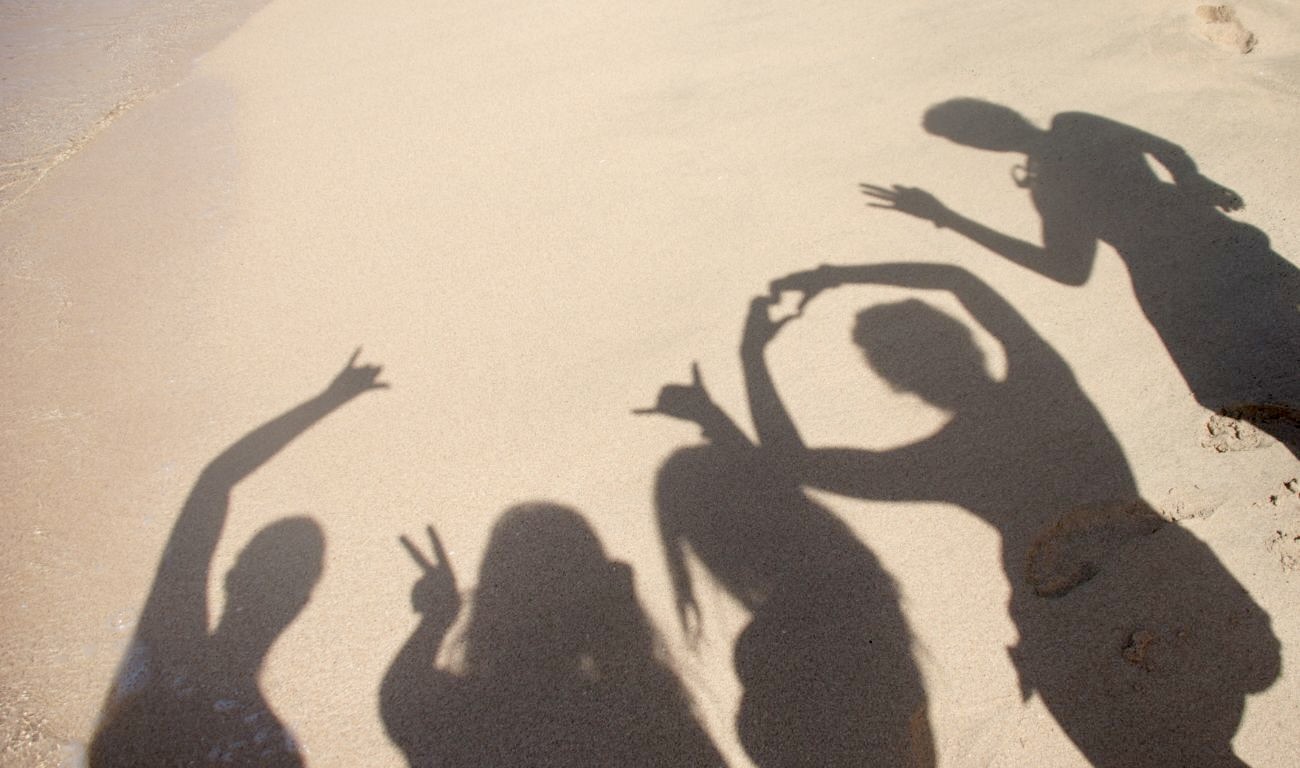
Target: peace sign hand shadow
434, 596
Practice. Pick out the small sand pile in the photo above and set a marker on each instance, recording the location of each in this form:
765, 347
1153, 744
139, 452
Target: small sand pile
1220, 25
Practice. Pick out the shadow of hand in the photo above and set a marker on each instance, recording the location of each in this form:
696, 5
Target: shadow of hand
354, 379
1212, 193
434, 596
690, 402
910, 200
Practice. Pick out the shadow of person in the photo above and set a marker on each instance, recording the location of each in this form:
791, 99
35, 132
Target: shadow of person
1223, 303
187, 696
826, 661
559, 667
1140, 643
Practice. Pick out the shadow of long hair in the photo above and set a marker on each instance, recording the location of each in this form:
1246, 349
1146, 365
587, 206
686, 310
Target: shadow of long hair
558, 665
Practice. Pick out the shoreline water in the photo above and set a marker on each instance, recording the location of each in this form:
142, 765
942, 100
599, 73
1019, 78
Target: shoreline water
71, 68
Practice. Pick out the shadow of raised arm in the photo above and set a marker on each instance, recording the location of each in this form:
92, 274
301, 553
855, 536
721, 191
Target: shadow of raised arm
176, 611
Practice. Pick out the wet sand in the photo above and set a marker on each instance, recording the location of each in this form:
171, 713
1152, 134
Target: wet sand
70, 68
533, 216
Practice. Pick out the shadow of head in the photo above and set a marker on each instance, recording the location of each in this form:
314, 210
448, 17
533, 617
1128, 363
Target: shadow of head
272, 581
918, 349
548, 600
981, 124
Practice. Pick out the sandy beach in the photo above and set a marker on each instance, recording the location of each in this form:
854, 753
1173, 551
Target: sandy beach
533, 217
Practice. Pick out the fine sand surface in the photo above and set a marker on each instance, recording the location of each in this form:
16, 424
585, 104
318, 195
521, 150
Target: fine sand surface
533, 216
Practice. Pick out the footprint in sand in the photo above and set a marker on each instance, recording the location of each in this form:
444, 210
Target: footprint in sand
1286, 545
1071, 550
1188, 503
1233, 428
1219, 24
1285, 540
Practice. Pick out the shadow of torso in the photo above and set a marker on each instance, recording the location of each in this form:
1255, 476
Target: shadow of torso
201, 709
1226, 306
826, 662
1136, 637
572, 719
